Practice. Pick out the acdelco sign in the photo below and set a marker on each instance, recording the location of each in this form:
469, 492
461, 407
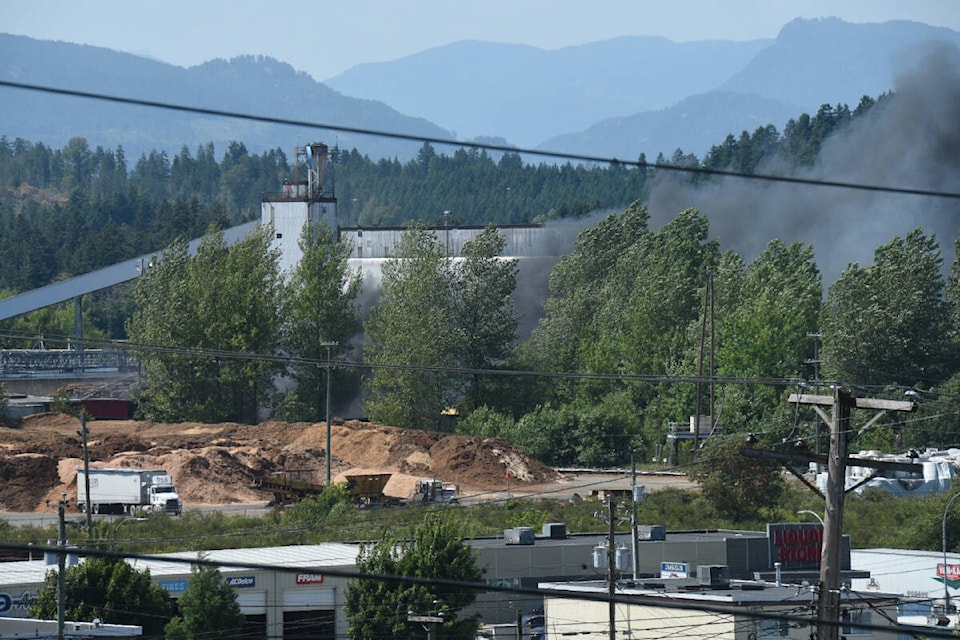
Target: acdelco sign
241, 582
309, 578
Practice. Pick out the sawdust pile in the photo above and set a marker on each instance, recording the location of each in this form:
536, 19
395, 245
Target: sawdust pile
217, 463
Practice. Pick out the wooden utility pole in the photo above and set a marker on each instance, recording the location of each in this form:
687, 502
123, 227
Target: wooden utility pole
828, 604
707, 313
84, 434
612, 567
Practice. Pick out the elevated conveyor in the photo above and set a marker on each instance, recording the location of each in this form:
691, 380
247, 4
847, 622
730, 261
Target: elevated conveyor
105, 278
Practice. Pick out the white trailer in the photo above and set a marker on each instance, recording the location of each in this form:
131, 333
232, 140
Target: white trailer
119, 491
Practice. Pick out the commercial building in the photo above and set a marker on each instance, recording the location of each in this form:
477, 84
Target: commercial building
28, 628
717, 609
290, 592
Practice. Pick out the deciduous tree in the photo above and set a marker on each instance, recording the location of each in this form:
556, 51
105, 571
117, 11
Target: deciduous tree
320, 308
378, 608
222, 299
486, 317
412, 335
738, 488
108, 589
887, 323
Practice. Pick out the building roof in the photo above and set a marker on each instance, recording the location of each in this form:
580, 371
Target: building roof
905, 571
328, 554
578, 539
740, 592
11, 628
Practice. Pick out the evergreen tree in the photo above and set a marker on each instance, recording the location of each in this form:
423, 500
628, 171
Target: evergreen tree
208, 608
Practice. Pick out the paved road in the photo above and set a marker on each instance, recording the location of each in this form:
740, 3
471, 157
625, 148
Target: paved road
584, 484
44, 519
588, 484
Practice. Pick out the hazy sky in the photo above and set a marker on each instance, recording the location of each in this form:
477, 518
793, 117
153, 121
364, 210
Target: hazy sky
325, 38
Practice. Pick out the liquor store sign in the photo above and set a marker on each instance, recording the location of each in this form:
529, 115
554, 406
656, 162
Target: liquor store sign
795, 545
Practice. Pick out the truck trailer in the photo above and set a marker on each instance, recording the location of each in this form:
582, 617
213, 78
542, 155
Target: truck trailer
128, 491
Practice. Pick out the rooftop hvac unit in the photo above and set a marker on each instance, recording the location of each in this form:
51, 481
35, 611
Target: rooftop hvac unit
518, 535
715, 576
555, 530
652, 532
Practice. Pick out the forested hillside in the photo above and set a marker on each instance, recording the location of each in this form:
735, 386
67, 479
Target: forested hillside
64, 212
607, 370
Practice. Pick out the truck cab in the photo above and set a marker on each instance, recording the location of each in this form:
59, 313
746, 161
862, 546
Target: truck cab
161, 495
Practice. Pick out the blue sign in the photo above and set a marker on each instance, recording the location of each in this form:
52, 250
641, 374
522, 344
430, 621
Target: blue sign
674, 569
173, 586
240, 582
7, 602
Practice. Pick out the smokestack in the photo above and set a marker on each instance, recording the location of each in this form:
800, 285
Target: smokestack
318, 167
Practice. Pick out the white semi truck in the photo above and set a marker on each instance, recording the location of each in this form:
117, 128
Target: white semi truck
130, 491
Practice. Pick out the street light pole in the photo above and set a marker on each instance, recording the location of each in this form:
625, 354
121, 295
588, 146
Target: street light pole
446, 229
329, 362
946, 587
812, 513
61, 565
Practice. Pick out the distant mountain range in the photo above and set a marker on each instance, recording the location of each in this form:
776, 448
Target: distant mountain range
248, 84
617, 98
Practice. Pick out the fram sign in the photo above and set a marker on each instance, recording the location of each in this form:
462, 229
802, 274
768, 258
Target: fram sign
309, 578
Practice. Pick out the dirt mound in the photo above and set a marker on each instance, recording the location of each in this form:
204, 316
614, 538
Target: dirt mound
217, 463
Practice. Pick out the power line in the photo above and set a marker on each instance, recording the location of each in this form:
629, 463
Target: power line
223, 354
223, 113
600, 596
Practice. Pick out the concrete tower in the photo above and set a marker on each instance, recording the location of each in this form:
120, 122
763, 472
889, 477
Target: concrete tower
287, 212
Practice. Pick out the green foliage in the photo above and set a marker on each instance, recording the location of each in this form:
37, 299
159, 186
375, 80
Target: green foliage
485, 317
583, 433
321, 308
109, 589
208, 608
879, 519
332, 504
486, 423
224, 299
378, 608
412, 336
887, 323
61, 404
436, 315
738, 487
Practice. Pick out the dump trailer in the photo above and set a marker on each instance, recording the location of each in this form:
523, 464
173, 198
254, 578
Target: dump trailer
292, 486
130, 491
288, 487
367, 489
